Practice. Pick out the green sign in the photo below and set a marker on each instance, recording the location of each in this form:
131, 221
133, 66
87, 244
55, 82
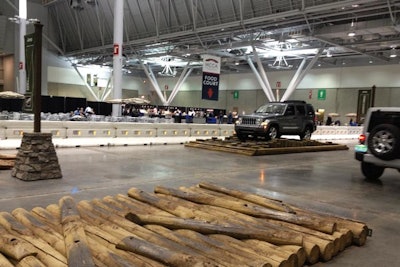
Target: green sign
321, 94
236, 94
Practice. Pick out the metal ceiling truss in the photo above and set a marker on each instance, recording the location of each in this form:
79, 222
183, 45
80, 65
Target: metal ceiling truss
183, 27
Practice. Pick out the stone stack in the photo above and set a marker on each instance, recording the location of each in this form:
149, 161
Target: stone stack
36, 158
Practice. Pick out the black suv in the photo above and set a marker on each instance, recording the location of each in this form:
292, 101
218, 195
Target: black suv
278, 118
379, 144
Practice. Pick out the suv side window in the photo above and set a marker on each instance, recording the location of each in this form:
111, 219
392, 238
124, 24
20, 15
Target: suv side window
289, 110
301, 110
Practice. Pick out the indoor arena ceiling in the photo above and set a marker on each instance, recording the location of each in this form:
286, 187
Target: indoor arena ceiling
166, 34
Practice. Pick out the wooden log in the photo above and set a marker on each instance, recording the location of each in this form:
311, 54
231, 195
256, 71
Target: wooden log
326, 247
46, 253
41, 230
14, 247
250, 209
206, 247
298, 251
272, 259
131, 205
312, 252
46, 217
106, 256
55, 211
164, 255
30, 261
4, 262
273, 236
132, 258
268, 248
256, 199
76, 245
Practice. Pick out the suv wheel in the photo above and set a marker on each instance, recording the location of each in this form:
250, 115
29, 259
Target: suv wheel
273, 133
306, 135
384, 141
371, 171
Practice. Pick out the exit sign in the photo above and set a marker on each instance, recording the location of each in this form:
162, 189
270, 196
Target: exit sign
236, 94
321, 94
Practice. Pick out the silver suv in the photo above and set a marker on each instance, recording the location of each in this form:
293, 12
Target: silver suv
274, 119
379, 144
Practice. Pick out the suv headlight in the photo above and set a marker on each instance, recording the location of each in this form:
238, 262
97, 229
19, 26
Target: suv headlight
239, 120
265, 123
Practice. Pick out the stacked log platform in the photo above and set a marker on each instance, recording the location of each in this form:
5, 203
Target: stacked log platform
7, 161
262, 147
203, 225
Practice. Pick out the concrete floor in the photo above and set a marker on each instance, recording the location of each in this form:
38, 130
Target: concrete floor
325, 181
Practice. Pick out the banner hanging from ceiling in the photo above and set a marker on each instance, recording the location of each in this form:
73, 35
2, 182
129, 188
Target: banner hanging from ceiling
210, 82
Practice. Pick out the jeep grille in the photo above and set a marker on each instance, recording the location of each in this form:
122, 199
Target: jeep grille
250, 121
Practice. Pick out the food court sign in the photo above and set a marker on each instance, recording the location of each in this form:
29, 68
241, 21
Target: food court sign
210, 82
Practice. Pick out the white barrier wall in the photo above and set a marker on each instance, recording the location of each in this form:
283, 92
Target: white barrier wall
10, 129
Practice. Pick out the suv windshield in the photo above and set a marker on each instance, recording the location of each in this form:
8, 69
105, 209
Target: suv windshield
272, 108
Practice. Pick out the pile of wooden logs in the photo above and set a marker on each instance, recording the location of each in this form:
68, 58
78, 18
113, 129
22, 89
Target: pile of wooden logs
204, 225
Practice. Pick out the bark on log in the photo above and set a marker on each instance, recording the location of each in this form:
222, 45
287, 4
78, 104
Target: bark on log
77, 248
164, 255
273, 236
250, 209
256, 199
41, 230
273, 260
30, 261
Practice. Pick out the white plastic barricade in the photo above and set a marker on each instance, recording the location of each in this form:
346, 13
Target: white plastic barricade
226, 129
132, 129
173, 129
76, 129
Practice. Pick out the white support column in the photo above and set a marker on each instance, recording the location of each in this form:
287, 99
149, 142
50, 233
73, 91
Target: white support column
301, 76
290, 88
173, 94
117, 59
260, 81
153, 81
22, 33
263, 75
178, 84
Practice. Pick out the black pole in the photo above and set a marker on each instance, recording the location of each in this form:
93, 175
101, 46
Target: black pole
37, 77
373, 96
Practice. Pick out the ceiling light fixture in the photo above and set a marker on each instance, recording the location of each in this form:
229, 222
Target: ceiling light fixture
393, 53
328, 54
352, 32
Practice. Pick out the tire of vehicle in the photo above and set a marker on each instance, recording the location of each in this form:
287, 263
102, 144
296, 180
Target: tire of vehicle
371, 171
306, 135
384, 141
273, 133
